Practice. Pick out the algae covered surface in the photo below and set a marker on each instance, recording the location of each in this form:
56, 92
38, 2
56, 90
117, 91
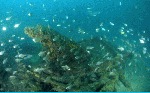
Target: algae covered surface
70, 66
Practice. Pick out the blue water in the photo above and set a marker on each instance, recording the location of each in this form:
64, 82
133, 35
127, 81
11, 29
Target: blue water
68, 16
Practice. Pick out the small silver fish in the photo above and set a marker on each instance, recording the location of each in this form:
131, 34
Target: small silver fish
5, 60
2, 52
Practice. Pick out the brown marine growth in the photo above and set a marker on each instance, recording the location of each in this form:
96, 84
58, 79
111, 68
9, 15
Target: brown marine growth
60, 50
69, 67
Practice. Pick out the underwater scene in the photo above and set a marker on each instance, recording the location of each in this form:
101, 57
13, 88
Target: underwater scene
75, 46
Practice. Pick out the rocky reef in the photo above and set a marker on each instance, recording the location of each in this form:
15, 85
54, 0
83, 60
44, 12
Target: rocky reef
89, 65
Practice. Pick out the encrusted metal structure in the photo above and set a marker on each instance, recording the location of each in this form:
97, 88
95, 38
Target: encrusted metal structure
89, 65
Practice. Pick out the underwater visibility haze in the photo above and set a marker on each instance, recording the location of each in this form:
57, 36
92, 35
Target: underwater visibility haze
74, 45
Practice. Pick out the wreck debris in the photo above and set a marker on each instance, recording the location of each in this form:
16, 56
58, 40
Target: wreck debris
70, 66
